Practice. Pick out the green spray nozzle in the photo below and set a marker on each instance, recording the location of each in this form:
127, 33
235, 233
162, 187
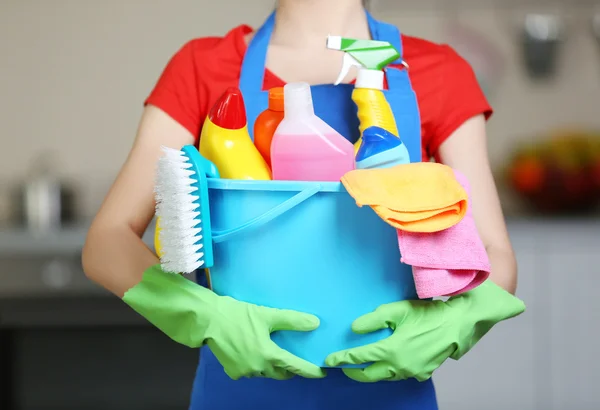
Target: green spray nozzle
365, 54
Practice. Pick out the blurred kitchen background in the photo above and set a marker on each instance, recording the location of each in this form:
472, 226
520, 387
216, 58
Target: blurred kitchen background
73, 76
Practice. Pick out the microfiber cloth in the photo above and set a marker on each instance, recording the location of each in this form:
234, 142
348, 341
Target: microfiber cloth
416, 197
448, 262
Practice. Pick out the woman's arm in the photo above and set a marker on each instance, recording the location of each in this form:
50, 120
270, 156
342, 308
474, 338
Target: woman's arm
114, 254
466, 151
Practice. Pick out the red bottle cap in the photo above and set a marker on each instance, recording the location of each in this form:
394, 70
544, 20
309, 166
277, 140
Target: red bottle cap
229, 111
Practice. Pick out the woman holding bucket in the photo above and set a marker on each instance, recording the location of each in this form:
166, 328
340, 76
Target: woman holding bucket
452, 117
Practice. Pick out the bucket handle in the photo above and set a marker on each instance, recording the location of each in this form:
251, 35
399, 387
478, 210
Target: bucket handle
224, 235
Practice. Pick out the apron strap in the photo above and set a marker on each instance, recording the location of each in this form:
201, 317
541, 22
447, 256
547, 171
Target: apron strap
385, 32
252, 75
397, 78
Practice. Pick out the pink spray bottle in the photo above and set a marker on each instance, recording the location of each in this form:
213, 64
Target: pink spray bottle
304, 147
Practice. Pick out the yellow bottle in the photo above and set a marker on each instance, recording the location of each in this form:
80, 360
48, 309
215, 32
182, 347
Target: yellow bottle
373, 111
225, 140
371, 57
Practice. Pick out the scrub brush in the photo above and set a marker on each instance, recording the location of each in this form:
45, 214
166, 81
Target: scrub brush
181, 193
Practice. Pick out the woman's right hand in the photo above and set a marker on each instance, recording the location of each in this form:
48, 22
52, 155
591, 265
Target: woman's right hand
238, 333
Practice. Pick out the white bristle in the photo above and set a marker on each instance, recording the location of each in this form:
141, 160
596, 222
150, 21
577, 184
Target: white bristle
179, 214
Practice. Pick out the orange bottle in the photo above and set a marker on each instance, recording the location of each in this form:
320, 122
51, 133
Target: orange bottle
266, 123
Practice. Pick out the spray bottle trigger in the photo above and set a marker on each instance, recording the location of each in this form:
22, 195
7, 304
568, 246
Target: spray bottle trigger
347, 63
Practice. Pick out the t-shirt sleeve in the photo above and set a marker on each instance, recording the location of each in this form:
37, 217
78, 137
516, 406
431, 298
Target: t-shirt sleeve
461, 98
177, 91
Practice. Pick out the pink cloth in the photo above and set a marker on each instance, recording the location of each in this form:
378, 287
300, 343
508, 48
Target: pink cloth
448, 262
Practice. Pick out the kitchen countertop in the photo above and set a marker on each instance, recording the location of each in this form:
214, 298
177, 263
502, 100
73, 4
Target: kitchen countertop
70, 239
581, 231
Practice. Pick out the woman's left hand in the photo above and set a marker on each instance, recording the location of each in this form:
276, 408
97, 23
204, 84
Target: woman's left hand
425, 334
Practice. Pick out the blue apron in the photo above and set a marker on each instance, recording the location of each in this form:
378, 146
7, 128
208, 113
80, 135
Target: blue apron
213, 389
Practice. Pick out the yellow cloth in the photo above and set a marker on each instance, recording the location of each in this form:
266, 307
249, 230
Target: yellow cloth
417, 197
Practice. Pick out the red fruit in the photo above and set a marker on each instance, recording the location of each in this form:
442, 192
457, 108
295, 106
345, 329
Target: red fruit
528, 175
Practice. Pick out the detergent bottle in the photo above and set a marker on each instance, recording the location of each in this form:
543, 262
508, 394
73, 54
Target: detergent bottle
267, 122
304, 147
381, 149
371, 57
225, 141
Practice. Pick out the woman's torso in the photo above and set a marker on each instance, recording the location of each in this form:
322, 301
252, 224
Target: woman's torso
194, 79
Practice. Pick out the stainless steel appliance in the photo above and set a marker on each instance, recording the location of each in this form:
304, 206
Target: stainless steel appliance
44, 201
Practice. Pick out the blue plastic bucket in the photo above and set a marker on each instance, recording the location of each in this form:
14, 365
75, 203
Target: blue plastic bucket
306, 246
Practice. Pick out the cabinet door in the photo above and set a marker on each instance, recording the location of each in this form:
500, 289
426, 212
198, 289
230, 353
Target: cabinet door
573, 359
499, 372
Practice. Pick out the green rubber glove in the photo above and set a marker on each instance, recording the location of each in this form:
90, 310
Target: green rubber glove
425, 333
238, 333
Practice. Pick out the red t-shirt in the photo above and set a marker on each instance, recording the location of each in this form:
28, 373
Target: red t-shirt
447, 90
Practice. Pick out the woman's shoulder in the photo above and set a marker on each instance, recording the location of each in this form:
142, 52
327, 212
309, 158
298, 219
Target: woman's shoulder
432, 65
426, 52
196, 74
215, 54
233, 40
230, 45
